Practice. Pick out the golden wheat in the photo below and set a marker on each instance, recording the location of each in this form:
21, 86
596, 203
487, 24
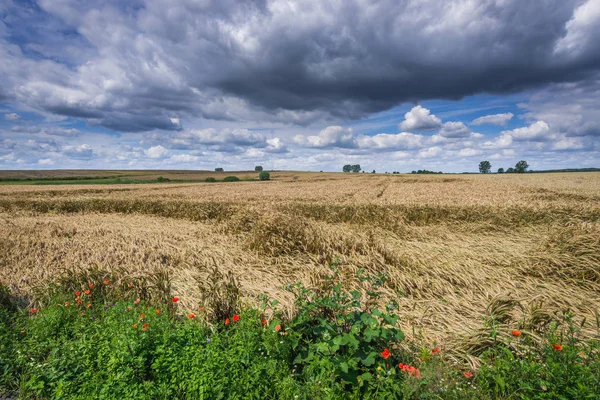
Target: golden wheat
457, 249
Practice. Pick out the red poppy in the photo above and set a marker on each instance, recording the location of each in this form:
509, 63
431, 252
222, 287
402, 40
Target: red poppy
88, 305
157, 312
277, 328
33, 310
436, 351
142, 316
77, 294
191, 316
236, 318
264, 322
226, 321
107, 281
385, 353
558, 347
516, 333
67, 304
87, 291
130, 285
467, 374
145, 326
175, 299
136, 301
91, 285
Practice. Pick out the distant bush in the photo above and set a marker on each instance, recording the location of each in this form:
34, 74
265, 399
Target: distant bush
258, 168
210, 179
162, 179
231, 178
264, 176
219, 169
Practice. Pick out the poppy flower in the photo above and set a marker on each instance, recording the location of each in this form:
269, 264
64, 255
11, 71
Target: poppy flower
88, 305
385, 353
175, 299
33, 310
264, 322
236, 318
226, 321
516, 333
558, 347
136, 301
277, 328
107, 281
130, 285
145, 326
191, 316
87, 291
157, 312
436, 351
201, 309
134, 326
67, 304
467, 374
91, 285
77, 294
142, 316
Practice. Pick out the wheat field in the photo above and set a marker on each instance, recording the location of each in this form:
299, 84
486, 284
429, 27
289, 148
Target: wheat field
456, 249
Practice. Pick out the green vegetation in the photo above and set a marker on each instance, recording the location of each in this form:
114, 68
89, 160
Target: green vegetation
264, 176
210, 179
351, 168
485, 167
99, 336
231, 179
219, 170
424, 171
258, 168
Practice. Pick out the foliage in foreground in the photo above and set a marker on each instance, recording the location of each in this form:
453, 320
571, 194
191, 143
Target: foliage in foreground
108, 340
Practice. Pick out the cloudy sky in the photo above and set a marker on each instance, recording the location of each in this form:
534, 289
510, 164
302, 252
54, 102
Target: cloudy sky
393, 85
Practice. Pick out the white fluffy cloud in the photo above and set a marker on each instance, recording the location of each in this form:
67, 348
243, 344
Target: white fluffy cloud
494, 119
539, 131
420, 118
454, 130
157, 152
332, 136
11, 116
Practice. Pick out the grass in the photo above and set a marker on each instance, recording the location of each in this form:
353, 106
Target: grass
462, 255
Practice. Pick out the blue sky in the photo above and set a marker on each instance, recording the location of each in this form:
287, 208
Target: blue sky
393, 86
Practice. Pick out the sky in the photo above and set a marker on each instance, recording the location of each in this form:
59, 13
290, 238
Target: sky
392, 85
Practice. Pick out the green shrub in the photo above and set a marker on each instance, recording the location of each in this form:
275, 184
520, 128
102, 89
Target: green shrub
210, 179
107, 341
264, 176
231, 178
162, 179
258, 168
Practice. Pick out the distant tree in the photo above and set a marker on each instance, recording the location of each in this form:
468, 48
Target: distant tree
219, 169
413, 172
500, 170
373, 172
521, 166
264, 176
347, 168
510, 170
231, 179
355, 168
258, 168
485, 167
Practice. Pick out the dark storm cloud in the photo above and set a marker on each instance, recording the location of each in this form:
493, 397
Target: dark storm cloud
146, 63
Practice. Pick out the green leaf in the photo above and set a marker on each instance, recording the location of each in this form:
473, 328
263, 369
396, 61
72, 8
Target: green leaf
370, 359
344, 367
